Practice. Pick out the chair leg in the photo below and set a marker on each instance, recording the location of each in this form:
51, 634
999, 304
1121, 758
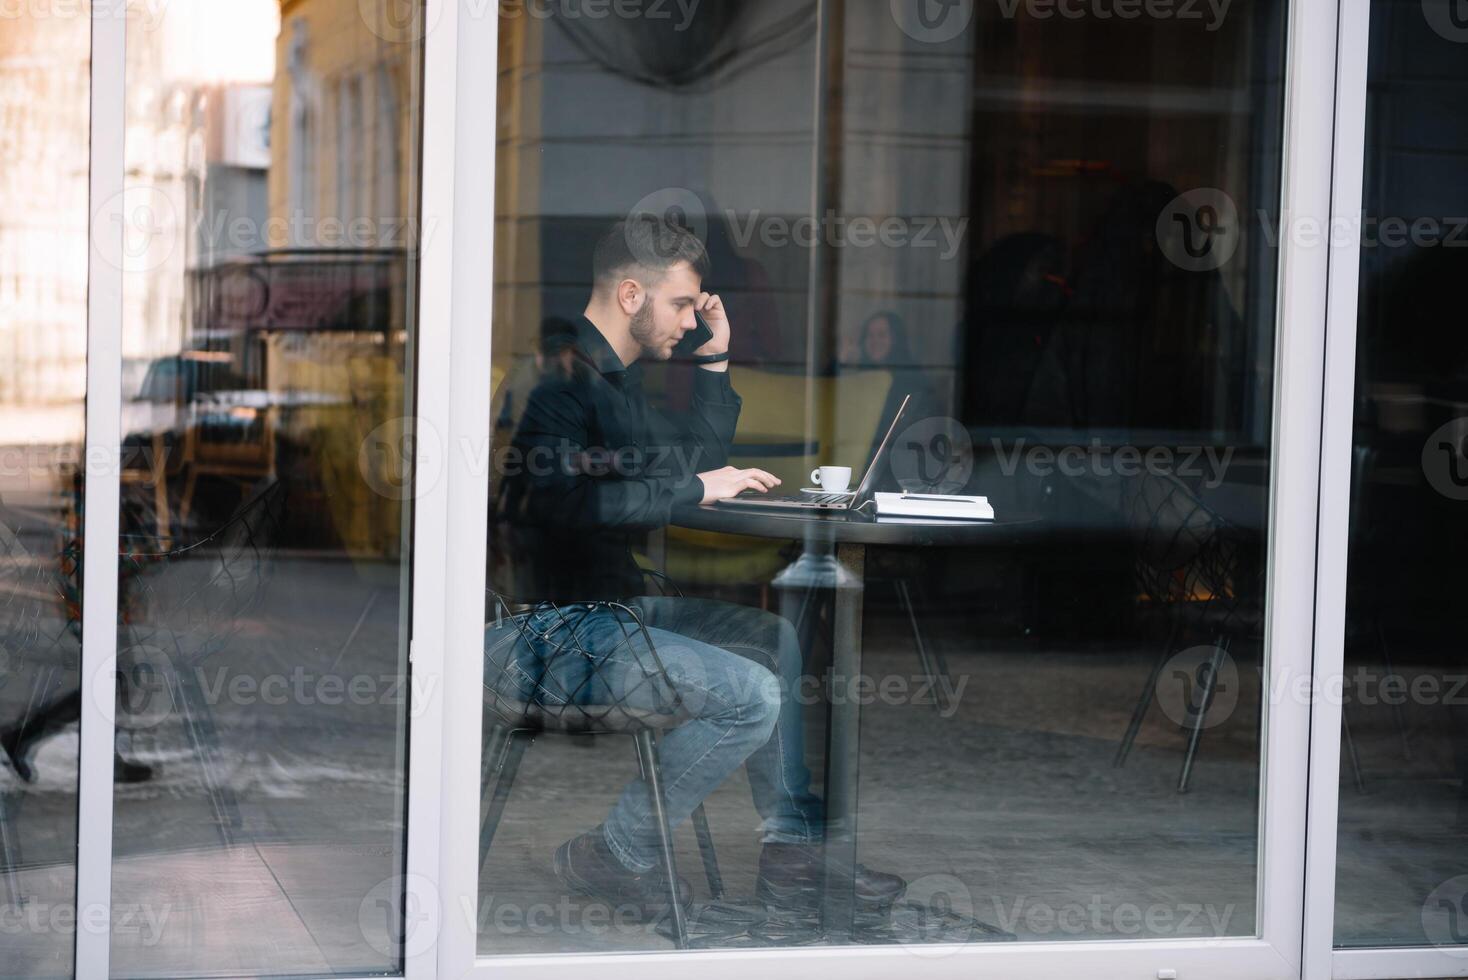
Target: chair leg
1199, 711
10, 812
807, 599
1399, 715
1351, 753
10, 852
198, 721
186, 500
160, 494
492, 758
1144, 700
940, 660
929, 665
647, 758
509, 749
706, 851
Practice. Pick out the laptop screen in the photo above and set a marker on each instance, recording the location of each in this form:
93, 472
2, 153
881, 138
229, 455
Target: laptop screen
869, 478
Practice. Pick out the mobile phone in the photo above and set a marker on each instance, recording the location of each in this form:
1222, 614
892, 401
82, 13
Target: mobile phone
695, 338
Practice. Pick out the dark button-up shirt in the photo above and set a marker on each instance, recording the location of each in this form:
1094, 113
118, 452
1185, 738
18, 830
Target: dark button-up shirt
593, 467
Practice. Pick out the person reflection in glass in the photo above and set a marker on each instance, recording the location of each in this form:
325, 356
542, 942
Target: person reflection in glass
882, 345
735, 668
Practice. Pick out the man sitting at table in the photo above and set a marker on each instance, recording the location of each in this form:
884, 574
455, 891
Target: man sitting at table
601, 468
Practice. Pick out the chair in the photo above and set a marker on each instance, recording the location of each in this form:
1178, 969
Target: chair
185, 605
154, 477
38, 627
558, 700
1364, 607
238, 446
163, 607
1187, 565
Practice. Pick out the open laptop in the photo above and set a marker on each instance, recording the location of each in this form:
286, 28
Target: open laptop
807, 500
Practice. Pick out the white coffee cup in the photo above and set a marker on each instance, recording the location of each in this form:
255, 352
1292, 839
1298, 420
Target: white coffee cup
834, 479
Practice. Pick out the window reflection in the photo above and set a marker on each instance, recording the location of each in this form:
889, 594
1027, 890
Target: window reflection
1404, 759
44, 75
269, 250
1053, 239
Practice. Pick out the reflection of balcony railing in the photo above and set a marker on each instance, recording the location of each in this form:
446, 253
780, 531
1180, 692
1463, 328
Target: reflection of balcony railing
301, 289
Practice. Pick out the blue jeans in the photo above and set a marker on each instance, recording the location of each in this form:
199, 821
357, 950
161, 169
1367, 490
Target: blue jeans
735, 673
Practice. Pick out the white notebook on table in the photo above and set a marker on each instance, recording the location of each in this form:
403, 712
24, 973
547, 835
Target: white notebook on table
950, 506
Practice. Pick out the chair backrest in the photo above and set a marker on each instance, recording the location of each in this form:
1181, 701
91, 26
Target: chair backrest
1184, 551
189, 602
36, 614
584, 668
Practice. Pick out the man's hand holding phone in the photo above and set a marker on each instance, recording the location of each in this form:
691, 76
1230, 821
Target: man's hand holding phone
711, 314
731, 481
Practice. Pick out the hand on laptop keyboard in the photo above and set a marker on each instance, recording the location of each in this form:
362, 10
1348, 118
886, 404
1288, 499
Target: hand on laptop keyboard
730, 481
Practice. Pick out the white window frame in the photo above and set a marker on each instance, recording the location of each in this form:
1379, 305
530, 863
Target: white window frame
1322, 960
1316, 319
101, 491
430, 563
1301, 309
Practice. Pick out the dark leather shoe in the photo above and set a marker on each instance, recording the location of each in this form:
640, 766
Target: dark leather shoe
125, 771
585, 864
19, 752
792, 876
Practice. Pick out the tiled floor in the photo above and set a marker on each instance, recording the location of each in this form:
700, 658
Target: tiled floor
1009, 811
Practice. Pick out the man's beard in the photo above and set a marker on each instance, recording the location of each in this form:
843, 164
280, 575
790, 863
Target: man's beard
643, 331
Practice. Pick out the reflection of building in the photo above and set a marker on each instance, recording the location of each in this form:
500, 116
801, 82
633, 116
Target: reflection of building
339, 133
43, 210
329, 300
196, 151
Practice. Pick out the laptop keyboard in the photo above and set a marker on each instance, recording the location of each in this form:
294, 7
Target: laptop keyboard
813, 498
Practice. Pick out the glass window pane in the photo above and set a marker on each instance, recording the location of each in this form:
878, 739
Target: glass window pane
267, 362
44, 81
1404, 762
1038, 251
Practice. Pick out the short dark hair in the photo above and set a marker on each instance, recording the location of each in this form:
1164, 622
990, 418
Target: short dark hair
649, 244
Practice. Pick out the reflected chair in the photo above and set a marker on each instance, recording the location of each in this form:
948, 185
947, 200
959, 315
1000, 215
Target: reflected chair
1188, 564
154, 476
174, 609
180, 607
1364, 607
566, 694
37, 630
237, 445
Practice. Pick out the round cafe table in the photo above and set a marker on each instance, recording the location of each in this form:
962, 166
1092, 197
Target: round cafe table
834, 558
